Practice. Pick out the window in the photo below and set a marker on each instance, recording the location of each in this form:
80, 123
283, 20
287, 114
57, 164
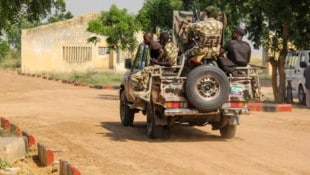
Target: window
293, 60
103, 50
287, 61
142, 57
77, 54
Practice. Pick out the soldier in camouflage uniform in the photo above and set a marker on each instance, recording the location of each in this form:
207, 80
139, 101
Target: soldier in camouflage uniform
169, 57
166, 53
209, 31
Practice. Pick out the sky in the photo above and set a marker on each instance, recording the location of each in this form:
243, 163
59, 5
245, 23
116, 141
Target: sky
80, 7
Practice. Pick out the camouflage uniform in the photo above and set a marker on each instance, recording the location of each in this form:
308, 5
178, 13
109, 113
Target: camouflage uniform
210, 34
170, 53
140, 80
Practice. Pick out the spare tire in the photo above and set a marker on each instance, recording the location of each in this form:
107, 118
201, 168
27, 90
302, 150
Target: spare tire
207, 88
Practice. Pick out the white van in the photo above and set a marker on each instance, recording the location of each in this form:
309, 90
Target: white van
295, 64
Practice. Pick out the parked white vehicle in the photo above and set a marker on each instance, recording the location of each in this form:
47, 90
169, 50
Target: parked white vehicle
295, 64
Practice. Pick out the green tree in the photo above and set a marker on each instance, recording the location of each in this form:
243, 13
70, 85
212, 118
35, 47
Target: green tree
158, 13
4, 49
13, 32
60, 12
271, 24
12, 11
118, 26
17, 15
14, 27
274, 24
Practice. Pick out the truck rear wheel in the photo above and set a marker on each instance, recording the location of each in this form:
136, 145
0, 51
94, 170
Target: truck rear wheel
126, 114
207, 88
228, 131
153, 130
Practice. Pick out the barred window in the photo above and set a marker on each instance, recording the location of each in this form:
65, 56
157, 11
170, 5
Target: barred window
103, 50
77, 54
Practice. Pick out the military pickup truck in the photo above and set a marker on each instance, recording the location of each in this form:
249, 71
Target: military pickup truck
206, 95
197, 95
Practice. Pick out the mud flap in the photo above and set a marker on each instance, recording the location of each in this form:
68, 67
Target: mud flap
159, 119
234, 120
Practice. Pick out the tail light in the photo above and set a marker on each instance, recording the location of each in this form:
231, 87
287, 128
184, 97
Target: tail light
237, 104
176, 104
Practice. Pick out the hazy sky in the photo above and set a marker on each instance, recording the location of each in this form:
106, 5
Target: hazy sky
79, 7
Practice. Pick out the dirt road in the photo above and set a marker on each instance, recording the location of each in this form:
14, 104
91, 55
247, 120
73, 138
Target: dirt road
82, 126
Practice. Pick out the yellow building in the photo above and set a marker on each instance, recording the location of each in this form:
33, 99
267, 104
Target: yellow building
63, 47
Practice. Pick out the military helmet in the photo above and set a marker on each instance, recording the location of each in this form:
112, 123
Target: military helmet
212, 11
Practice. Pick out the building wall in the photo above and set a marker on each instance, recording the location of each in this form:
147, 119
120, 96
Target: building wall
63, 47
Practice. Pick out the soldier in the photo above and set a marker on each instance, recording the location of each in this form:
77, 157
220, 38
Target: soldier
238, 52
170, 51
209, 31
156, 50
163, 53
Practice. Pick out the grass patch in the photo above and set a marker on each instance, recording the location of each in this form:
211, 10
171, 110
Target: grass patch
90, 78
4, 165
12, 61
264, 76
4, 133
256, 60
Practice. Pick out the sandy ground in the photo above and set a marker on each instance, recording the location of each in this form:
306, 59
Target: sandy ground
82, 125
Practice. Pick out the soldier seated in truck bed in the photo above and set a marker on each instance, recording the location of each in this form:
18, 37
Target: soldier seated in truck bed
238, 53
162, 53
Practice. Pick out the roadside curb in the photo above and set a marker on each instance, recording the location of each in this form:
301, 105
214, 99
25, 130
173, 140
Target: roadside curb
67, 169
269, 107
46, 156
10, 127
5, 124
31, 140
15, 130
77, 84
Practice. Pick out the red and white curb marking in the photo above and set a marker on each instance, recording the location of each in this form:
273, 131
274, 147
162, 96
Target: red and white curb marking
67, 169
270, 107
46, 156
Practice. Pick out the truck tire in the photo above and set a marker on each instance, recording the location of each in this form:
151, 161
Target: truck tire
301, 95
153, 130
228, 131
126, 114
207, 88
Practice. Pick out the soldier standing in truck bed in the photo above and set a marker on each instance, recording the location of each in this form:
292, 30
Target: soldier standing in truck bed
209, 31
